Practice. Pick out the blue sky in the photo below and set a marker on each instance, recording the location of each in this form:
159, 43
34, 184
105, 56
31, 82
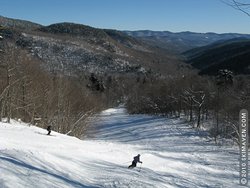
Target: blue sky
167, 15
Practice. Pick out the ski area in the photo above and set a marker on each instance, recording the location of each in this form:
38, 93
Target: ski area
173, 155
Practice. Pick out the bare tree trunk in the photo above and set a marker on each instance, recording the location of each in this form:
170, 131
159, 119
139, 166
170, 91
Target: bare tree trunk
8, 96
199, 117
191, 110
1, 104
217, 115
33, 115
23, 102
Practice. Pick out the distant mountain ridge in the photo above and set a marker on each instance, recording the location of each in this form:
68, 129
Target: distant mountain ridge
177, 42
182, 41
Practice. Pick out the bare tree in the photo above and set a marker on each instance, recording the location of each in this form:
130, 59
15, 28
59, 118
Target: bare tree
188, 100
9, 70
241, 5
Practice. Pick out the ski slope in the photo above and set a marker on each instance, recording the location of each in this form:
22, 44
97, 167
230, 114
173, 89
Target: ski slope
173, 155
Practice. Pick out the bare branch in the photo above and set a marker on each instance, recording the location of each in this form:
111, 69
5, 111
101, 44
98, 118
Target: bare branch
77, 121
239, 5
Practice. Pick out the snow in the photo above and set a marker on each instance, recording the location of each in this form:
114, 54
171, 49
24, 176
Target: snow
173, 155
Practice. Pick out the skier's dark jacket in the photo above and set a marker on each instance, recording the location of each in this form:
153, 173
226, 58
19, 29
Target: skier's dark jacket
49, 128
137, 159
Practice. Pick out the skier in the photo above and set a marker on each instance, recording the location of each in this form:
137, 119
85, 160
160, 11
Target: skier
135, 161
49, 129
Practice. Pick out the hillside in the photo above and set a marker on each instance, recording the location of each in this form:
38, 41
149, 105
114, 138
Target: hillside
18, 24
77, 49
232, 54
173, 155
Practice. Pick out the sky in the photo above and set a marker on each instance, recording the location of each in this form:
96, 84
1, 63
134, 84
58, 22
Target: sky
159, 15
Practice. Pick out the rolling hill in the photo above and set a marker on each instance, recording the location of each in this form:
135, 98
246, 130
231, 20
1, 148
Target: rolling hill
233, 55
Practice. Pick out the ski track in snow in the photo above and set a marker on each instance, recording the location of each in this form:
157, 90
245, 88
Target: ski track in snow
173, 155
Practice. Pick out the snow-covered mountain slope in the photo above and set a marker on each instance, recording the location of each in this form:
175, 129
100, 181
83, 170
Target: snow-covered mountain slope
173, 155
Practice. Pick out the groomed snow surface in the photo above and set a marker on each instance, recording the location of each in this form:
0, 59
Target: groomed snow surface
173, 155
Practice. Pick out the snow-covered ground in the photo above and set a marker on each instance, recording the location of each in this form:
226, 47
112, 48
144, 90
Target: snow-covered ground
173, 155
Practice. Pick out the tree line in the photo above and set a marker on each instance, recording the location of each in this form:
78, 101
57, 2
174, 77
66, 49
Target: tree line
206, 102
43, 98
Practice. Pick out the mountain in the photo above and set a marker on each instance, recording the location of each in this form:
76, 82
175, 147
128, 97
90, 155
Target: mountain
182, 41
232, 54
18, 24
75, 48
